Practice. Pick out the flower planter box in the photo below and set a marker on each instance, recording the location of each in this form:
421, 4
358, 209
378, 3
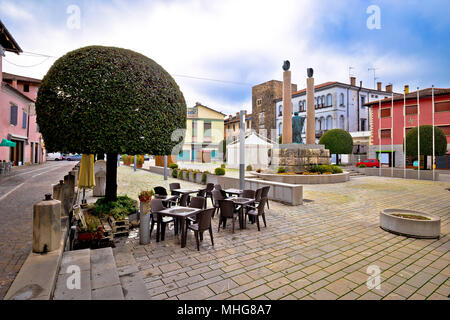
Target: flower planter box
422, 229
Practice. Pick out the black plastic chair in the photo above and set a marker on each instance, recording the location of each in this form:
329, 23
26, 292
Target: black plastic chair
160, 191
227, 211
217, 196
203, 224
156, 206
265, 195
184, 200
208, 191
174, 186
258, 212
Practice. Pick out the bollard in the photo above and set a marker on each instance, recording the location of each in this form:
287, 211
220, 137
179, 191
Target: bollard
75, 174
69, 180
144, 225
61, 192
46, 225
100, 178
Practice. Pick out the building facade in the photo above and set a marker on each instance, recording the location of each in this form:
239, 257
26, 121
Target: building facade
264, 96
232, 125
17, 111
339, 106
204, 135
387, 132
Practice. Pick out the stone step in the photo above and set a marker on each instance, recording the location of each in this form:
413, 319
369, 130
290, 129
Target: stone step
105, 280
130, 278
66, 284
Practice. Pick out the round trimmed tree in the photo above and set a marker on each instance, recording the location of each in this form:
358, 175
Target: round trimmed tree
338, 141
426, 142
98, 100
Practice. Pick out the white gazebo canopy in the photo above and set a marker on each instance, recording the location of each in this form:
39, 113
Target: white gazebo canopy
256, 152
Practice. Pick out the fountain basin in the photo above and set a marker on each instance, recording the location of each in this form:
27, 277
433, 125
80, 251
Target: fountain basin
410, 223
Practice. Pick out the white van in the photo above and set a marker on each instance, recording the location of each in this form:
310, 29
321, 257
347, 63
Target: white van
57, 156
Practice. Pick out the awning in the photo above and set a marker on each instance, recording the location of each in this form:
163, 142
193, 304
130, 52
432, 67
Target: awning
7, 143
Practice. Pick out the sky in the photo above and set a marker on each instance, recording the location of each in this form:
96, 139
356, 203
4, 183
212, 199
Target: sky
218, 50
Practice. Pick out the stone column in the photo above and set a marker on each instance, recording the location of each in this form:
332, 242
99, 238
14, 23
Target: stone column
287, 108
310, 112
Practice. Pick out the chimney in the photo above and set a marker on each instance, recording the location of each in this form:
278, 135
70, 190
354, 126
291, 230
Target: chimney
389, 88
237, 115
353, 81
379, 86
406, 89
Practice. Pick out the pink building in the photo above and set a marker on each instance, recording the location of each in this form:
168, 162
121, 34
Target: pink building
390, 148
17, 111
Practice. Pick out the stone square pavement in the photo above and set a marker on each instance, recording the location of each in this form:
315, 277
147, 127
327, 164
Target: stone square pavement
321, 250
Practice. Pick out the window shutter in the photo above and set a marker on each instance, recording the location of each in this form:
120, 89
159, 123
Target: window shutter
14, 115
24, 121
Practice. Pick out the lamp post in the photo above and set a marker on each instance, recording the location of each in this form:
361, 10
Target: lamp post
165, 168
242, 150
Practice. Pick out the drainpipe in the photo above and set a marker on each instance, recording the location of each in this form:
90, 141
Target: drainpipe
348, 112
358, 103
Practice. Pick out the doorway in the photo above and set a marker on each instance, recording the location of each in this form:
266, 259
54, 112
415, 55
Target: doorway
16, 153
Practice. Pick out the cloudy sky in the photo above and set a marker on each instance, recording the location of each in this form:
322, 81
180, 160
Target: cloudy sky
217, 50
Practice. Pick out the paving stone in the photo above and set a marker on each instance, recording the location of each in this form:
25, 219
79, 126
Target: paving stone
108, 293
197, 294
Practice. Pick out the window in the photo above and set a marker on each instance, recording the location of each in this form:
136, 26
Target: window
259, 102
300, 106
342, 99
207, 131
24, 120
411, 109
26, 88
280, 128
442, 106
386, 113
363, 124
385, 133
280, 111
13, 118
194, 131
341, 122
446, 130
261, 118
329, 100
315, 102
329, 123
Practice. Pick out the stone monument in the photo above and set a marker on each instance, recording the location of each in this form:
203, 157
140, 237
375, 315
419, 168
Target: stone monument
296, 157
297, 128
100, 178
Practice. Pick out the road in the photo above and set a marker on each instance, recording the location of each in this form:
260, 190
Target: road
18, 193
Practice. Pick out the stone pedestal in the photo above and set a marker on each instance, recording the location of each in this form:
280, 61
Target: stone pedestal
310, 112
297, 158
144, 226
46, 226
100, 178
287, 108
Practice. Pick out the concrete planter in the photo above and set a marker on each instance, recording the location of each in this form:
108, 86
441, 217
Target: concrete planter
305, 179
422, 229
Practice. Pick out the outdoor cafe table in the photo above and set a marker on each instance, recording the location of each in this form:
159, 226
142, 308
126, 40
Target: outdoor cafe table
180, 213
243, 202
167, 199
234, 192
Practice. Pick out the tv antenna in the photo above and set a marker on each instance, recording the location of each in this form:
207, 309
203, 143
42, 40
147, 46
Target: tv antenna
374, 77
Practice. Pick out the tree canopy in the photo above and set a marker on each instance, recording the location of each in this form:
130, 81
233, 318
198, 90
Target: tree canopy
110, 100
426, 141
338, 141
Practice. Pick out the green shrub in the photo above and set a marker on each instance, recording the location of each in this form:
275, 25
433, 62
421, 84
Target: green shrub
219, 172
223, 166
281, 170
123, 204
325, 168
180, 174
362, 166
205, 176
249, 168
186, 174
173, 166
336, 169
194, 175
175, 173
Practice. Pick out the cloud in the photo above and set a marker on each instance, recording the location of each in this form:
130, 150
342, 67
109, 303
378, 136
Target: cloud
234, 40
15, 12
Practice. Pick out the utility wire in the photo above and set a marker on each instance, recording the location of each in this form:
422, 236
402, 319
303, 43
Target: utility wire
34, 54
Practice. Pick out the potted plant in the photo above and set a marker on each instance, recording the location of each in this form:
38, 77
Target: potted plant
145, 197
140, 161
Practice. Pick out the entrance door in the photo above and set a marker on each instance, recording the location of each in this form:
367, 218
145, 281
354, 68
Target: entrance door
31, 152
36, 153
16, 153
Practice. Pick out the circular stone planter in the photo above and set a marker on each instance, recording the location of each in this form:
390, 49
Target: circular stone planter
422, 229
305, 179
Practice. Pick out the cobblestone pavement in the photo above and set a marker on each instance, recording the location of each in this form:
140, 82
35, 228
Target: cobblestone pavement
320, 250
18, 193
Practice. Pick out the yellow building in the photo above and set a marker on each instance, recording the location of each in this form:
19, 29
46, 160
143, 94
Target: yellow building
204, 135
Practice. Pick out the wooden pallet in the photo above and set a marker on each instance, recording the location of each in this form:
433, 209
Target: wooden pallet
119, 227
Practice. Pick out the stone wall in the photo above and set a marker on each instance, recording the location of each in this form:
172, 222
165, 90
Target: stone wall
299, 157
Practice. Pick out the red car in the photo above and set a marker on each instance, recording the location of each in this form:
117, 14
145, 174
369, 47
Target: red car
369, 163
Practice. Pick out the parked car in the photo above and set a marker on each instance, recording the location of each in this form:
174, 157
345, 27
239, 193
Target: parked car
56, 156
369, 163
76, 157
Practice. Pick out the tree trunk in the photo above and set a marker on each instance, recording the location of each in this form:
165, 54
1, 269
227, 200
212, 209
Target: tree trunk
111, 177
101, 156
